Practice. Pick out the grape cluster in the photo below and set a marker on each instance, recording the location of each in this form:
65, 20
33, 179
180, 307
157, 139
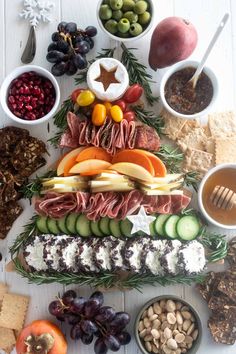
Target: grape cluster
69, 48
89, 319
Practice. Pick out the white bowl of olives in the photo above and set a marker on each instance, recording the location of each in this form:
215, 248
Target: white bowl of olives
125, 20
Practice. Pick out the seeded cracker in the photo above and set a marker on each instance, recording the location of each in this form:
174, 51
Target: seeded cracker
7, 339
222, 125
225, 150
13, 311
173, 125
195, 139
198, 160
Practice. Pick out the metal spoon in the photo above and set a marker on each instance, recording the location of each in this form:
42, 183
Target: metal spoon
30, 48
193, 81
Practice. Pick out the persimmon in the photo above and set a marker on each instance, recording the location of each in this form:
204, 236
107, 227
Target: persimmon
41, 337
93, 152
158, 165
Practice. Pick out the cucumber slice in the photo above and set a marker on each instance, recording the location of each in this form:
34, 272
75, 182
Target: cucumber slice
152, 229
188, 227
114, 227
41, 224
52, 226
71, 222
126, 227
159, 224
61, 223
104, 226
83, 226
170, 226
94, 225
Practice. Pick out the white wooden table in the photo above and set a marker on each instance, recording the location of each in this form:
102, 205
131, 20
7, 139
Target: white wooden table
205, 14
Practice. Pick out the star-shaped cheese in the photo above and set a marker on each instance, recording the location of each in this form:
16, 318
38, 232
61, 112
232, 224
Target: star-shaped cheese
141, 221
107, 77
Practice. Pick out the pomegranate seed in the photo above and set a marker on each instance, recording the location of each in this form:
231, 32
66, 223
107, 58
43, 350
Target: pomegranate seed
18, 83
29, 107
21, 90
26, 90
37, 91
20, 105
11, 99
27, 99
18, 114
21, 98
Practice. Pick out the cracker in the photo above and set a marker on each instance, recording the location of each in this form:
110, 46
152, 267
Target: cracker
198, 160
225, 150
222, 125
188, 127
13, 312
3, 290
195, 139
173, 125
7, 339
209, 145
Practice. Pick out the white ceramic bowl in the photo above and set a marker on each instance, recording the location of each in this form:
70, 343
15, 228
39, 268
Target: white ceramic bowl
177, 67
120, 39
13, 75
200, 203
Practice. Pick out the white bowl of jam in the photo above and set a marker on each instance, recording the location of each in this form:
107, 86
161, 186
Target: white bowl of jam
177, 96
222, 175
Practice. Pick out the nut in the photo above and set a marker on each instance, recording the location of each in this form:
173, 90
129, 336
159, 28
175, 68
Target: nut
157, 309
164, 325
180, 337
195, 334
188, 339
153, 317
162, 317
156, 343
163, 304
175, 331
150, 311
143, 333
185, 308
178, 351
140, 326
170, 306
167, 333
178, 305
146, 322
189, 345
148, 346
162, 338
155, 349
171, 343
191, 328
155, 333
166, 350
171, 318
156, 323
144, 314
175, 326
148, 338
184, 350
186, 325
179, 318
186, 315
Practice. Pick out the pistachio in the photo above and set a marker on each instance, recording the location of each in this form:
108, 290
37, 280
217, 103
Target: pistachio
186, 315
180, 337
153, 317
170, 306
148, 346
188, 339
156, 323
155, 333
140, 326
157, 309
191, 328
143, 333
171, 318
150, 311
167, 333
146, 322
195, 334
186, 325
171, 343
179, 318
148, 338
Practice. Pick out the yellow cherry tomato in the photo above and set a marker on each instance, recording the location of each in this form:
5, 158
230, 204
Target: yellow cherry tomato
85, 98
99, 114
108, 106
116, 113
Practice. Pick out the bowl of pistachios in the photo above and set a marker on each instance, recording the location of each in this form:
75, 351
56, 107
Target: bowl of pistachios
168, 325
125, 20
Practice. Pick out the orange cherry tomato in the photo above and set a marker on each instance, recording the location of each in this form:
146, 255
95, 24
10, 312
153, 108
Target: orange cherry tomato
122, 104
133, 93
99, 114
129, 116
108, 106
75, 94
116, 113
38, 328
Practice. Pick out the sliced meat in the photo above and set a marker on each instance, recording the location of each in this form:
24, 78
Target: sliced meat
56, 205
146, 138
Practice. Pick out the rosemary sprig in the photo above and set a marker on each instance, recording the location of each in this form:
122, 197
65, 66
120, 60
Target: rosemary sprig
34, 186
60, 117
138, 73
192, 179
105, 53
172, 157
150, 118
215, 244
55, 140
29, 230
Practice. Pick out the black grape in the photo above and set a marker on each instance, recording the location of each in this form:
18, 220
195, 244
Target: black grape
88, 327
100, 346
112, 342
91, 308
90, 42
91, 31
83, 47
56, 36
63, 46
55, 308
68, 297
105, 314
72, 319
76, 332
61, 26
71, 27
59, 69
77, 305
80, 61
98, 296
52, 46
87, 338
72, 69
123, 337
55, 56
121, 319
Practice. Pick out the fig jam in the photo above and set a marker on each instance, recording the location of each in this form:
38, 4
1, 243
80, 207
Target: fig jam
181, 96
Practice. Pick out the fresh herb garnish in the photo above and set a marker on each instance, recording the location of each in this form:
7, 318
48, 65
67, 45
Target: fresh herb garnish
29, 230
149, 118
138, 73
216, 245
34, 186
60, 117
172, 158
191, 179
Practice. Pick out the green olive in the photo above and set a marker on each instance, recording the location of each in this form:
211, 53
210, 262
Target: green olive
105, 12
106, 2
135, 29
145, 18
116, 4
117, 15
131, 16
111, 26
123, 35
140, 7
123, 25
128, 5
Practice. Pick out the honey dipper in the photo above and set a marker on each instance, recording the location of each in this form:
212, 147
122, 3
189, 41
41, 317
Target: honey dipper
223, 197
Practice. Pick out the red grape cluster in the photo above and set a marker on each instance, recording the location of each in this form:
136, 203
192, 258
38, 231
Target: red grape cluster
89, 318
69, 48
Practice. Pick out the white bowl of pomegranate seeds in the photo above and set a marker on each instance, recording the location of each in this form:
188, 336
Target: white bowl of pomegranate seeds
30, 95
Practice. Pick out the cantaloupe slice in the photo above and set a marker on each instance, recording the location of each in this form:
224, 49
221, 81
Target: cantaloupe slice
93, 152
68, 161
89, 165
158, 165
132, 170
136, 157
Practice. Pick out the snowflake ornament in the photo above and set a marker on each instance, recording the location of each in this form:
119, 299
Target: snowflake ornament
37, 11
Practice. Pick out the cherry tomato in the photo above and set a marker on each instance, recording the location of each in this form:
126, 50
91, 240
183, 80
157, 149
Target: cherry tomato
116, 113
108, 106
122, 104
133, 93
76, 93
129, 116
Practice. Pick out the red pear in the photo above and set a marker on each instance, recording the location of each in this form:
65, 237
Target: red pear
174, 39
